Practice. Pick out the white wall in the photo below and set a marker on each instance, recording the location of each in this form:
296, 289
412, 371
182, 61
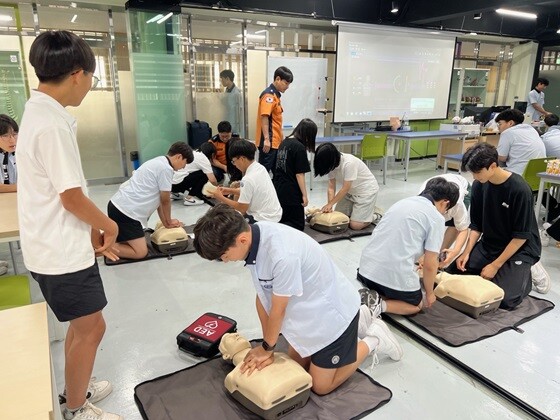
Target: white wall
521, 72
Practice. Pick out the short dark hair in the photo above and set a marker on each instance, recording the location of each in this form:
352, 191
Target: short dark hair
306, 132
284, 73
7, 123
479, 157
224, 127
207, 149
511, 114
56, 54
183, 149
242, 147
551, 120
217, 230
327, 158
541, 80
440, 189
228, 74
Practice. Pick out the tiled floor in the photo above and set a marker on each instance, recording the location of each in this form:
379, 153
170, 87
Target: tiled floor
151, 302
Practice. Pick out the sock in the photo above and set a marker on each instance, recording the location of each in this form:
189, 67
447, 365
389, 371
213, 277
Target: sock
371, 342
70, 412
383, 306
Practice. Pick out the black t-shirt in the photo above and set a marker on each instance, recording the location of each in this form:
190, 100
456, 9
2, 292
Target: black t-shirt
291, 159
503, 212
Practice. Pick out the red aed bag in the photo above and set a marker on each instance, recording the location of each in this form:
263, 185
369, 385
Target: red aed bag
203, 336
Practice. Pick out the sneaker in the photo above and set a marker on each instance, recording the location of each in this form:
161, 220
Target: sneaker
90, 412
96, 391
545, 237
540, 278
372, 300
388, 343
192, 201
3, 263
175, 196
364, 322
3, 270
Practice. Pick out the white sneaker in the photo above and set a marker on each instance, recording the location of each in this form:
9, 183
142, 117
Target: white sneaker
3, 263
90, 412
175, 196
388, 343
3, 270
545, 237
364, 322
540, 278
372, 300
96, 391
192, 201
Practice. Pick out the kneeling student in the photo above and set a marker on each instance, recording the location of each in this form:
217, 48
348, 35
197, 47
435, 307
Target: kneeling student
358, 194
148, 189
412, 227
256, 194
301, 293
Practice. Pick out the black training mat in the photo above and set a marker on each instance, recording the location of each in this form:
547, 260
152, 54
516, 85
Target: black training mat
152, 252
198, 392
457, 329
323, 238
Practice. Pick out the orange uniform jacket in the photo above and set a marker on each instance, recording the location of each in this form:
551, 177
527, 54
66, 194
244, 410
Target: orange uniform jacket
270, 106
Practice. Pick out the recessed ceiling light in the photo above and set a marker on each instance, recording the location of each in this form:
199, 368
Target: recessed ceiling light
473, 33
74, 18
477, 16
394, 7
5, 18
515, 13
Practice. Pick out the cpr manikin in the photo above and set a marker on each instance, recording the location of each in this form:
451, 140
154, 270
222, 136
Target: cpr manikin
272, 392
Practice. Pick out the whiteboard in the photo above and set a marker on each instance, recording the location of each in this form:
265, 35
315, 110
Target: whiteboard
306, 94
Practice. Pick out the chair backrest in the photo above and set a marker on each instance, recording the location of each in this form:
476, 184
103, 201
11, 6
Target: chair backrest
14, 291
534, 166
374, 146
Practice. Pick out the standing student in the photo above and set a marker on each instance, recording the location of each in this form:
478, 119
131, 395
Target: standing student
551, 140
61, 229
301, 293
535, 100
148, 190
8, 139
269, 118
504, 245
358, 192
292, 164
233, 102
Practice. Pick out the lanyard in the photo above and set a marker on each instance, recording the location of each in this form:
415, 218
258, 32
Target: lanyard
6, 177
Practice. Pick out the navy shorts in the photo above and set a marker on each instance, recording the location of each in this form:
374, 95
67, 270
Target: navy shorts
129, 228
341, 352
414, 298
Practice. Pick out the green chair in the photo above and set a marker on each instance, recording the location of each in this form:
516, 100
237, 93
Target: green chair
534, 166
14, 291
374, 146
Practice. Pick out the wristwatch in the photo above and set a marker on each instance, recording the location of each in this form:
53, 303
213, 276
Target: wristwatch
267, 347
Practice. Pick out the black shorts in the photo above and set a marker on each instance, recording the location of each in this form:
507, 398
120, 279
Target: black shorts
414, 298
341, 352
129, 229
293, 216
73, 295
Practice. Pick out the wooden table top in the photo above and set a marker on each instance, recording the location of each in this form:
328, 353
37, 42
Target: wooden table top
9, 227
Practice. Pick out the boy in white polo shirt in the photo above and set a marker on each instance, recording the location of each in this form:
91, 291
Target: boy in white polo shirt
148, 189
301, 293
358, 192
60, 227
257, 196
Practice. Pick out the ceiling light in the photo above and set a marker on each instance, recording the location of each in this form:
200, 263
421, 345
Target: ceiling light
394, 7
74, 18
477, 16
5, 18
473, 33
252, 36
156, 17
163, 19
558, 31
515, 13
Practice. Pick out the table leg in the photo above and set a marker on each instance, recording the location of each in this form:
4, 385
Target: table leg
11, 245
407, 159
539, 199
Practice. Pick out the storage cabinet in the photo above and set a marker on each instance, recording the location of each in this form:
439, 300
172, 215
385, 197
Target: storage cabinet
468, 88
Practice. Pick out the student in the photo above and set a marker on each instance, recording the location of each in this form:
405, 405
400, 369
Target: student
257, 196
61, 230
269, 118
233, 101
502, 213
148, 189
551, 138
358, 193
292, 164
519, 143
301, 293
8, 139
535, 100
457, 219
193, 176
411, 228
221, 142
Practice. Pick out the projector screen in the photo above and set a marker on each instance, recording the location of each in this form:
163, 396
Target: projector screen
383, 72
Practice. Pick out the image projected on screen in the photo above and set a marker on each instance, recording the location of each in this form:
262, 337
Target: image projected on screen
382, 73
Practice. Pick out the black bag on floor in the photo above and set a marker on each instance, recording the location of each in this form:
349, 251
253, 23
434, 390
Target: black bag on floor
198, 132
203, 336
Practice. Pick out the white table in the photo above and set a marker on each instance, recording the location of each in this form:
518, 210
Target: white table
9, 227
544, 178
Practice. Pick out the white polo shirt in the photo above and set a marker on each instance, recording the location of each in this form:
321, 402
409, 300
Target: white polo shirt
140, 196
410, 227
551, 140
200, 163
353, 169
458, 212
53, 240
534, 97
322, 301
520, 144
258, 191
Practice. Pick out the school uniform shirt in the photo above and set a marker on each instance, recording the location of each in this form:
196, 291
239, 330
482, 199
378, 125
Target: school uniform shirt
290, 160
353, 169
140, 197
53, 240
458, 213
271, 107
9, 169
534, 97
234, 109
221, 149
410, 227
551, 140
200, 163
322, 301
520, 144
257, 191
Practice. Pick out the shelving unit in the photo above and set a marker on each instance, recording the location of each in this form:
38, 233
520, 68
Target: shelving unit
468, 87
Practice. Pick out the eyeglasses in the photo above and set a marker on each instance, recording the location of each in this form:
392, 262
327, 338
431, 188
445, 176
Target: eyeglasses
13, 135
94, 80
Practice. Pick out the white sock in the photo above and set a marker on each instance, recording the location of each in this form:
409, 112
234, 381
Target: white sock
383, 306
70, 412
371, 342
